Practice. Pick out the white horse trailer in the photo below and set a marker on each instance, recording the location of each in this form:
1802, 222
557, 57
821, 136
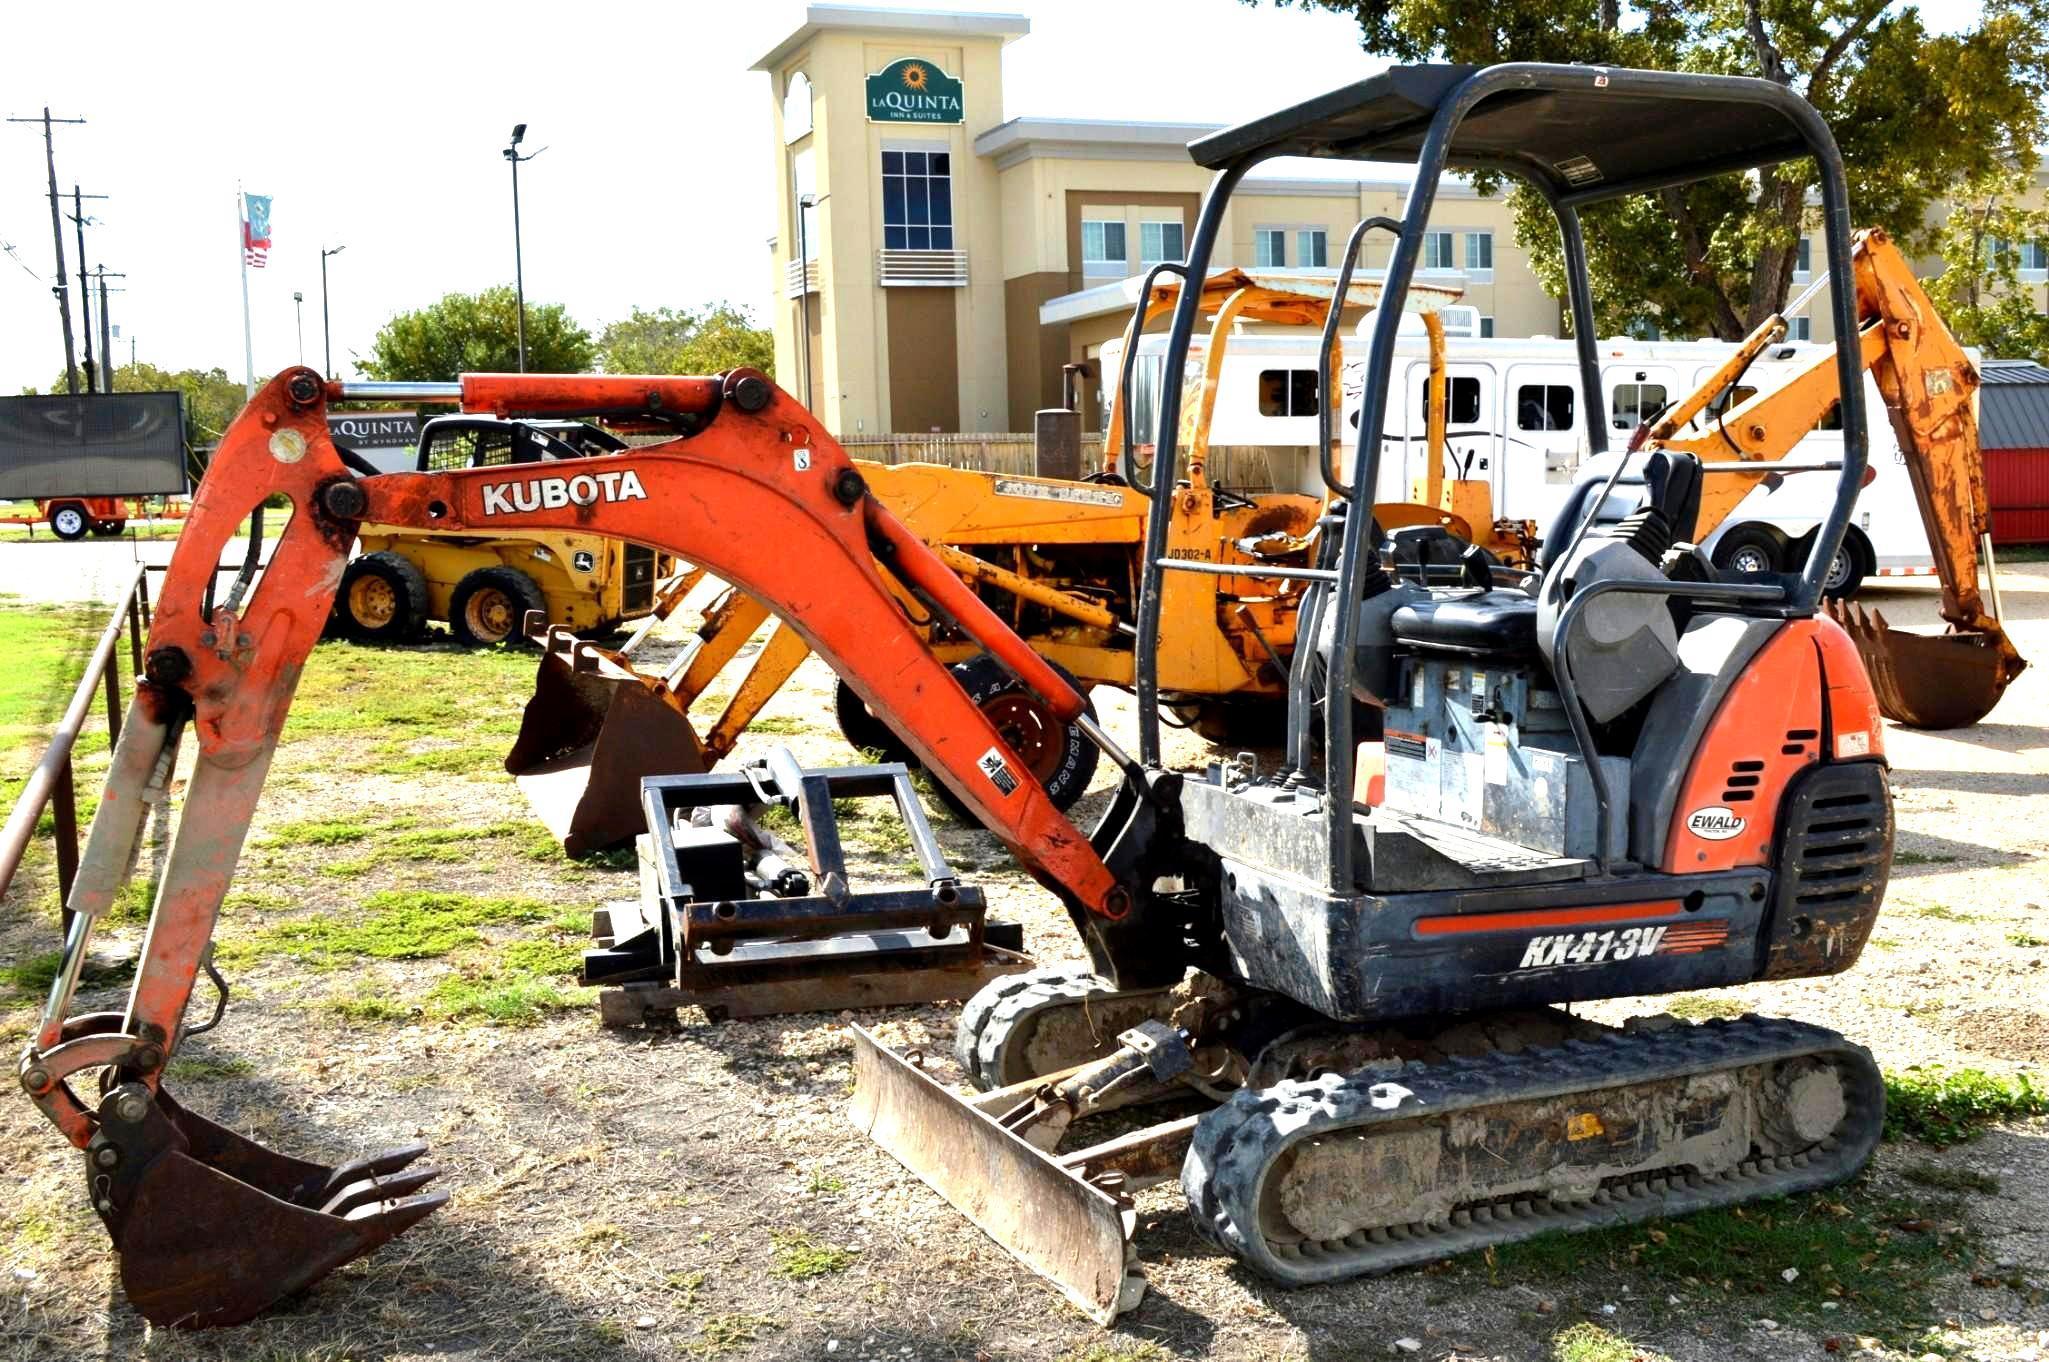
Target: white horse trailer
1515, 419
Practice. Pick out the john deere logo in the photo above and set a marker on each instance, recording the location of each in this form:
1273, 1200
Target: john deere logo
914, 90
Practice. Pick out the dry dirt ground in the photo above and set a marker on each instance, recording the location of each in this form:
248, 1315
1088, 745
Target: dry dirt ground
698, 1193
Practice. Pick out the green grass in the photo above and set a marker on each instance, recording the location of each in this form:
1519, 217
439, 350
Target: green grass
2026, 939
1937, 910
1943, 1107
798, 1255
1942, 1179
1585, 1342
29, 980
719, 1335
328, 832
398, 925
1702, 1006
1848, 1248
1921, 858
204, 1070
1118, 1350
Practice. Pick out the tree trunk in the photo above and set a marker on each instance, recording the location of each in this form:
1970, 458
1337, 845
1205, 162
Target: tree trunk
1782, 203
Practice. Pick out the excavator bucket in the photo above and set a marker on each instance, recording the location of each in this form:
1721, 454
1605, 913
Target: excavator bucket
213, 1229
1933, 681
593, 727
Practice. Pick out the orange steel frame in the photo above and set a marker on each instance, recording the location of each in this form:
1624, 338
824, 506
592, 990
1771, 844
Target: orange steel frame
758, 494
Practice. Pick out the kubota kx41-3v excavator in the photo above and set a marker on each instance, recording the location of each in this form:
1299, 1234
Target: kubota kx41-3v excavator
1624, 776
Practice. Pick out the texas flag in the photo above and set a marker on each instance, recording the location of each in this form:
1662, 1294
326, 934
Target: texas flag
255, 229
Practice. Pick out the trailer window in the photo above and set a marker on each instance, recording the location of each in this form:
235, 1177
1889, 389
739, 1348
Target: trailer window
1543, 406
1287, 392
1464, 404
1636, 403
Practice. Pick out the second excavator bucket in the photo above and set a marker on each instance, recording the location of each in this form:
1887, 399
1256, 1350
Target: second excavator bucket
592, 729
213, 1229
1933, 681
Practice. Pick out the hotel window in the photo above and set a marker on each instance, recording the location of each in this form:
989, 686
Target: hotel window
1287, 392
1102, 248
2034, 257
1479, 251
1270, 247
1803, 328
1437, 251
917, 201
1803, 258
1159, 241
1312, 248
1486, 328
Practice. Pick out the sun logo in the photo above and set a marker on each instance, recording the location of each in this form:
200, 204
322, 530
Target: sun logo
915, 77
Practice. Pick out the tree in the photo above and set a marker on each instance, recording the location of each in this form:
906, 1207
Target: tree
708, 340
1979, 291
1915, 112
477, 333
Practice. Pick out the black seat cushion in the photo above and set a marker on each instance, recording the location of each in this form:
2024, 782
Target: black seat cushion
1484, 622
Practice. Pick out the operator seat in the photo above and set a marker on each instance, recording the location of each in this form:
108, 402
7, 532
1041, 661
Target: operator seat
1503, 623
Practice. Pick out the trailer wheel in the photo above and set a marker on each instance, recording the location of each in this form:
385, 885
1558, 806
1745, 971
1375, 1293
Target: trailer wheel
383, 599
490, 605
1853, 561
1062, 758
109, 529
69, 522
1750, 549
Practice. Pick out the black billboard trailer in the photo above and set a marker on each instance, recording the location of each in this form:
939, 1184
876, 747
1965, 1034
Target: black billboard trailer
84, 459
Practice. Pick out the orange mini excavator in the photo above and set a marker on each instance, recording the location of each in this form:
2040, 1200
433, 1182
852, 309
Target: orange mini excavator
1621, 773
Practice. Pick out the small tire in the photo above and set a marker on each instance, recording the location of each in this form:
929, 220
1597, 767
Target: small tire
109, 529
1751, 549
862, 730
489, 606
1846, 574
1060, 755
69, 522
383, 599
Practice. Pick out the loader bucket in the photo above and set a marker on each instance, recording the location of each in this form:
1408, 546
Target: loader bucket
1933, 681
1072, 1233
213, 1229
591, 730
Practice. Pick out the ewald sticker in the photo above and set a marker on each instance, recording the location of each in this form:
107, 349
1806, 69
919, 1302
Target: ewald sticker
1715, 823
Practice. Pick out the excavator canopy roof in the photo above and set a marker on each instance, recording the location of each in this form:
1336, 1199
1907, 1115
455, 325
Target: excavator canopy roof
1580, 132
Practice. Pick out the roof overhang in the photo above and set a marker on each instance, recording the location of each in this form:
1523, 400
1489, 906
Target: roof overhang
891, 22
1431, 288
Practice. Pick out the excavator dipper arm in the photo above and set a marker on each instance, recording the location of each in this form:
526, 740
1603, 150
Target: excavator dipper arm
213, 1228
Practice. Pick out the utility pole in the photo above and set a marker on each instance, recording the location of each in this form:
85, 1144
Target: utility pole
62, 290
326, 335
106, 333
79, 219
518, 270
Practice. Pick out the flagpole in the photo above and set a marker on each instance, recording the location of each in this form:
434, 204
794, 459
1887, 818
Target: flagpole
242, 254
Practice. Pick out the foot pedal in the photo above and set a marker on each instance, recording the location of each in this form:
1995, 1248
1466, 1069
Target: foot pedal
743, 924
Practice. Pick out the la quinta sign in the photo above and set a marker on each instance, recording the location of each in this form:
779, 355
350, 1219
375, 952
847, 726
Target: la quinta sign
914, 90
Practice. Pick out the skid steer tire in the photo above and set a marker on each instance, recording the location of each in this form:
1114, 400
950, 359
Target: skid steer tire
489, 605
862, 730
1060, 755
383, 599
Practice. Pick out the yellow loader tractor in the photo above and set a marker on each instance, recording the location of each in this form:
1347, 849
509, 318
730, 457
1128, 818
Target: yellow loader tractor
482, 586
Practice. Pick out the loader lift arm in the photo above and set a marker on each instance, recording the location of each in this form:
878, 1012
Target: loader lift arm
212, 1228
1929, 387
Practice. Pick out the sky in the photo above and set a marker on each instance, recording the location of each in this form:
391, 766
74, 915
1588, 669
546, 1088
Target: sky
380, 129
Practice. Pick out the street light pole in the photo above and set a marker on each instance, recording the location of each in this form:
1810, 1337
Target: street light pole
299, 308
518, 266
326, 336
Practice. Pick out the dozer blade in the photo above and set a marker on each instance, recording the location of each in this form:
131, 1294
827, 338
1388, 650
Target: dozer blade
1073, 1234
587, 737
213, 1229
1930, 681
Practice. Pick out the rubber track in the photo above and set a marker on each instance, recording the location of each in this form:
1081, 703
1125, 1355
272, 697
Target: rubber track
1238, 1143
993, 1018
